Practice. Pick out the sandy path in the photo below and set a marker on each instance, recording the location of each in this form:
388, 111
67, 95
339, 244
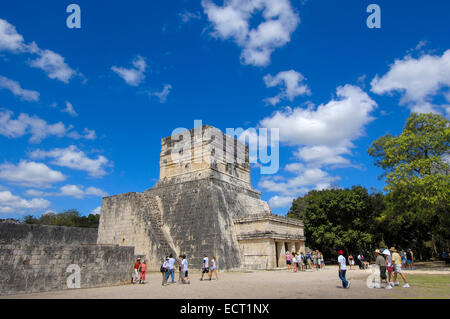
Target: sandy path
258, 284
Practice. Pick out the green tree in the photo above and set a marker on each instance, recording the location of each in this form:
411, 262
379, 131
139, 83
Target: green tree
416, 168
69, 218
339, 219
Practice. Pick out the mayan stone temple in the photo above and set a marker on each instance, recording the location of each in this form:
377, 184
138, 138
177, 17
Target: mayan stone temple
203, 203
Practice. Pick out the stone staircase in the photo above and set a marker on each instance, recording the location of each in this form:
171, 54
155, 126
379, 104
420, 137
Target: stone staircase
156, 224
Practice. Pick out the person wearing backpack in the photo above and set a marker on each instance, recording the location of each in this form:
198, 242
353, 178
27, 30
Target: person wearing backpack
164, 268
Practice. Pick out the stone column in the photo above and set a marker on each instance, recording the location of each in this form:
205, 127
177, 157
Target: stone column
281, 251
297, 247
291, 246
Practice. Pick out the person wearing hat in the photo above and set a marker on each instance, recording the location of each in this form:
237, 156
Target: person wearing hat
381, 262
397, 264
342, 270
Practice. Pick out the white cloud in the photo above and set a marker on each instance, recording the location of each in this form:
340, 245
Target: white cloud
319, 155
28, 173
331, 124
294, 167
54, 65
308, 179
322, 135
78, 191
17, 90
162, 96
50, 62
292, 82
280, 201
38, 128
97, 211
134, 75
10, 40
232, 21
418, 81
10, 203
87, 134
187, 16
73, 158
69, 109
35, 193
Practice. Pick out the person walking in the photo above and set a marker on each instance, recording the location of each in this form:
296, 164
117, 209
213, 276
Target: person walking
184, 271
343, 270
409, 258
322, 261
137, 265
397, 263
351, 262
171, 269
142, 270
164, 269
380, 261
205, 266
389, 267
213, 268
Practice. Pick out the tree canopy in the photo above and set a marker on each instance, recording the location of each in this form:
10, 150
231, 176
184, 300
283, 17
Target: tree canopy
70, 218
416, 167
339, 219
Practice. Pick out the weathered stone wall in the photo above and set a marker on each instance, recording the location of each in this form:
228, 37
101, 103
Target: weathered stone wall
275, 224
34, 258
258, 253
204, 148
134, 219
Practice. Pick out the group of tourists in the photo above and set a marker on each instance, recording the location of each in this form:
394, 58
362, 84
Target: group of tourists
391, 261
168, 265
361, 261
168, 269
139, 271
300, 261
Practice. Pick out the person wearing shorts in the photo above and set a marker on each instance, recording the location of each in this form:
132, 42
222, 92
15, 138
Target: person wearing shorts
397, 262
294, 263
184, 271
288, 260
389, 267
213, 268
409, 258
205, 266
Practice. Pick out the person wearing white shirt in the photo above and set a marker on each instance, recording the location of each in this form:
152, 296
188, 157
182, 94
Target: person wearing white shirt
213, 268
171, 268
184, 271
294, 262
164, 269
343, 270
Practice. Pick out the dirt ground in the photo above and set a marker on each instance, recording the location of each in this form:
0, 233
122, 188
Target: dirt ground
267, 284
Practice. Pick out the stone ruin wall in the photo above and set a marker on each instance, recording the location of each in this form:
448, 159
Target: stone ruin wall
34, 258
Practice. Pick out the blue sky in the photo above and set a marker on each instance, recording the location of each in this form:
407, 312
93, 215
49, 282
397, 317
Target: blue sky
82, 111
